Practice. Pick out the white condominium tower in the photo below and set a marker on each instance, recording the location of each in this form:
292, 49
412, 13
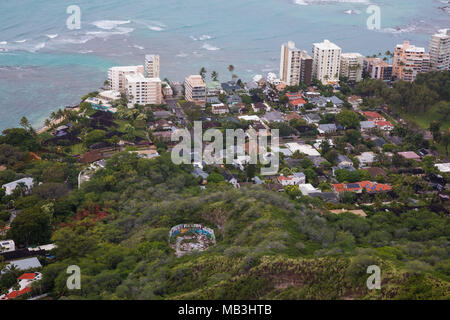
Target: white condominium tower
440, 50
116, 76
143, 90
152, 66
195, 89
326, 61
352, 66
295, 65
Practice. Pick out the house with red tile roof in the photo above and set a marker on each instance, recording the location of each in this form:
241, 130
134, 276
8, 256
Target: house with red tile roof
371, 187
294, 95
384, 125
25, 281
297, 103
373, 116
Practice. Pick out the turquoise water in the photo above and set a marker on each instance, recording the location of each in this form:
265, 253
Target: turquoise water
44, 65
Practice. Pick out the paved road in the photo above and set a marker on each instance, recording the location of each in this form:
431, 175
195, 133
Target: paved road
175, 108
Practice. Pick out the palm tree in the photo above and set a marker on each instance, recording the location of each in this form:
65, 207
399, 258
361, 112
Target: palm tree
25, 123
214, 75
202, 72
53, 116
47, 123
59, 114
231, 68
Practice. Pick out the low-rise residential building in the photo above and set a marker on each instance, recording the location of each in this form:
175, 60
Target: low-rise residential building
167, 90
355, 101
303, 148
373, 116
219, 108
366, 159
366, 125
10, 187
260, 107
409, 155
327, 128
312, 118
292, 180
213, 88
357, 187
384, 125
307, 189
443, 167
7, 245
273, 116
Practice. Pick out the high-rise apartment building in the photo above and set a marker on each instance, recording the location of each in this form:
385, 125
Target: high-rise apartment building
195, 89
326, 62
409, 61
117, 75
152, 66
142, 90
352, 66
295, 65
378, 69
440, 50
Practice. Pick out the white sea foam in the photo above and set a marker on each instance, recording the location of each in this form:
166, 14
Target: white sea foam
116, 31
138, 47
109, 24
397, 30
201, 38
182, 55
209, 47
352, 11
155, 28
37, 47
80, 40
153, 25
52, 36
308, 2
21, 41
3, 43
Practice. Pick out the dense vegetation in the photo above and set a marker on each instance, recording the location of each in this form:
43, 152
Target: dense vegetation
269, 246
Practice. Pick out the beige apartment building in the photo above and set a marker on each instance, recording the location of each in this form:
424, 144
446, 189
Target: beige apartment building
440, 50
295, 65
409, 61
378, 69
195, 89
117, 75
352, 66
142, 90
152, 66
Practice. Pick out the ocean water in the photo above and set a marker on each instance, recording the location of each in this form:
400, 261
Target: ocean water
45, 66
